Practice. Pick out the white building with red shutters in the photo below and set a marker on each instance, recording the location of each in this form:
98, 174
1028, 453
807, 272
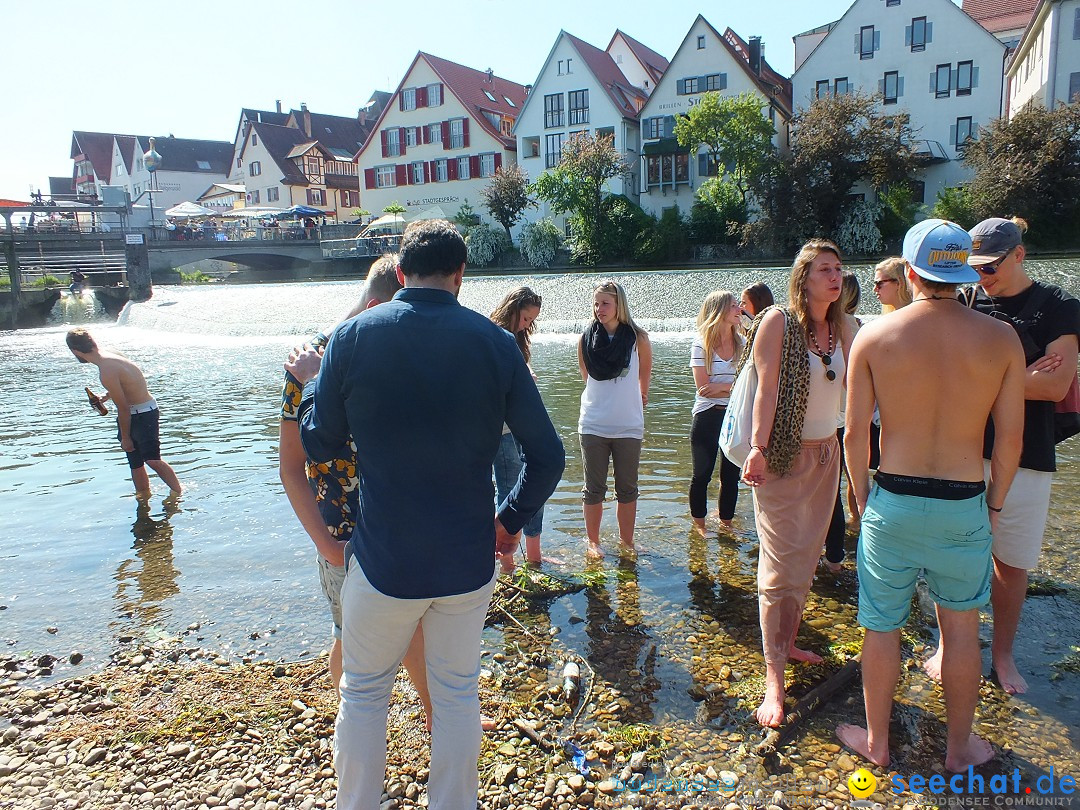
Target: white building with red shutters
443, 135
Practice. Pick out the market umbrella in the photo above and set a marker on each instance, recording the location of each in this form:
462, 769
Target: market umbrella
188, 210
302, 211
396, 223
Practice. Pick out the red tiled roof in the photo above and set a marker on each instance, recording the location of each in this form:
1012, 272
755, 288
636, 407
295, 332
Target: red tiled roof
13, 203
654, 62
1000, 15
97, 146
772, 84
469, 86
127, 149
611, 78
340, 135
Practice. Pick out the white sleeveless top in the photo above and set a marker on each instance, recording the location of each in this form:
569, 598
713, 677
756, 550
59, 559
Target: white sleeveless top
612, 408
823, 403
723, 371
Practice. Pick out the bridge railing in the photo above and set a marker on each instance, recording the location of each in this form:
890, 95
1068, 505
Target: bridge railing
359, 248
234, 233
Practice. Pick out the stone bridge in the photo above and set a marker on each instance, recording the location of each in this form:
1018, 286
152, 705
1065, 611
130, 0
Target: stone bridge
276, 254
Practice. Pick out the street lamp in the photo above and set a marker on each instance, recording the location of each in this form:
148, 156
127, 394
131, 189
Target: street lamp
152, 160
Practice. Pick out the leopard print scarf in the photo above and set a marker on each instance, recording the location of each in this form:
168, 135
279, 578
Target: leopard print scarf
794, 390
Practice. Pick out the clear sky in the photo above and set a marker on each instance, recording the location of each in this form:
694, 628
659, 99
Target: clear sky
186, 69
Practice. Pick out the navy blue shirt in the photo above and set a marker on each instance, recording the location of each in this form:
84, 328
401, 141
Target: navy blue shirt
423, 385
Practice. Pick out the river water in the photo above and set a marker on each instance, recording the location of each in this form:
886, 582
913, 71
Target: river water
79, 557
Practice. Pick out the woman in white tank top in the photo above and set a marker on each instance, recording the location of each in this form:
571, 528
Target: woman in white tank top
615, 359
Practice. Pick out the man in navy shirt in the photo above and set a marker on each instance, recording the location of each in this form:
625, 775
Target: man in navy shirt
423, 385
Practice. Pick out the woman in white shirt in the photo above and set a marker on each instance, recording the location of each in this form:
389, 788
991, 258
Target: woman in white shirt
713, 357
615, 359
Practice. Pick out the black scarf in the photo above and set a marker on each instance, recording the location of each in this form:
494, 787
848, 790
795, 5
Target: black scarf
607, 357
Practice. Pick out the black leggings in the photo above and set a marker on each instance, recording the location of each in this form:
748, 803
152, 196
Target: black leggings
704, 448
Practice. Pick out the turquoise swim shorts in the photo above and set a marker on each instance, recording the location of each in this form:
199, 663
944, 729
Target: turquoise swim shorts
904, 535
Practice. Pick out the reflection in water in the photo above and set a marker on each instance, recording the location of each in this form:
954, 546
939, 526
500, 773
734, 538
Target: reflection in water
153, 573
617, 639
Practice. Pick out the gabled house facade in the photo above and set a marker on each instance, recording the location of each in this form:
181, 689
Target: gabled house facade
582, 89
92, 153
306, 159
925, 57
444, 133
248, 117
706, 60
1045, 67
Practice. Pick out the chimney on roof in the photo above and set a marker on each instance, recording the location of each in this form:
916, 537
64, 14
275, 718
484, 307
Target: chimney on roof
528, 89
277, 103
361, 116
490, 76
306, 124
755, 55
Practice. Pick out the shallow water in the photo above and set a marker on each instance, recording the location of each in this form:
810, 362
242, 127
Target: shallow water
78, 555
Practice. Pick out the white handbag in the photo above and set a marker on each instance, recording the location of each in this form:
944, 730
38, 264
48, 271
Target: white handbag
739, 417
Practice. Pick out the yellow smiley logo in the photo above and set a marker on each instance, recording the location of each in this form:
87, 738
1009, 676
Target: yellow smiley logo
862, 783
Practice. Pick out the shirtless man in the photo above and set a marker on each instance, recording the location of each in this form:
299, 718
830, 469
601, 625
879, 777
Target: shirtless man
136, 411
937, 370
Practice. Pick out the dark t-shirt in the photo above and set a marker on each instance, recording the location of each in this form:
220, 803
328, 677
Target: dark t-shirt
1058, 315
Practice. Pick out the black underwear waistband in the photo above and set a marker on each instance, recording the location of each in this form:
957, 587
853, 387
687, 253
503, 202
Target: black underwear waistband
938, 488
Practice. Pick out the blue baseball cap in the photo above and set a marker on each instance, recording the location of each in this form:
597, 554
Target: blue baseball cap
938, 250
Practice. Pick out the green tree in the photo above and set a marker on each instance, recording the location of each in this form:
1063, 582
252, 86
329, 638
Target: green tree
579, 183
394, 208
718, 213
1029, 166
506, 196
837, 142
734, 131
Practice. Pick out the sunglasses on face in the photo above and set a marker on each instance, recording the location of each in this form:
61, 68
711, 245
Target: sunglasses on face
991, 268
881, 282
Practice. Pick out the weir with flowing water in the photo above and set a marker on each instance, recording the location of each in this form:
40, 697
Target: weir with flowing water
78, 553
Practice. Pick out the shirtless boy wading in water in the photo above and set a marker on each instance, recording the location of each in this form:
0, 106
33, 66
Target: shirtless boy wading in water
936, 370
136, 411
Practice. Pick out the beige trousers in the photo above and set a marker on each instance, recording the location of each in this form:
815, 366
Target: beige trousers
793, 514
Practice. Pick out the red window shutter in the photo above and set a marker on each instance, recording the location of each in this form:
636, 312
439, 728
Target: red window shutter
451, 169
401, 101
402, 174
385, 143
445, 134
369, 178
474, 166
498, 161
401, 139
425, 134
421, 97
465, 131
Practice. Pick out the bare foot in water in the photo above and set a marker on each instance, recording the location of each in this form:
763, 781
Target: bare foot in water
932, 665
1004, 671
805, 656
771, 711
627, 551
857, 739
727, 524
699, 526
832, 567
487, 724
975, 752
594, 552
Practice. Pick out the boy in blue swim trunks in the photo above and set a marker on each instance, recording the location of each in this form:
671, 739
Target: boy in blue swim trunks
937, 370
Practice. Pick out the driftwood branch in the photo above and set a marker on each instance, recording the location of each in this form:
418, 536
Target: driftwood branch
809, 704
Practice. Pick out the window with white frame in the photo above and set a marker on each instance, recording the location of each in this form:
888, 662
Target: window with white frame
393, 142
964, 75
716, 81
384, 177
701, 42
654, 127
417, 172
553, 150
254, 139
119, 169
866, 42
408, 98
255, 197
349, 199
273, 194
457, 133
564, 66
579, 107
692, 84
487, 164
410, 136
553, 110
139, 165
316, 196
434, 95
254, 168
434, 133
463, 168
943, 81
441, 172
312, 166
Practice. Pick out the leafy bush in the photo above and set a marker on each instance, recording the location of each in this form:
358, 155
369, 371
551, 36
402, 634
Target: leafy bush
47, 280
539, 241
858, 231
485, 244
954, 204
623, 225
898, 211
664, 241
198, 277
718, 212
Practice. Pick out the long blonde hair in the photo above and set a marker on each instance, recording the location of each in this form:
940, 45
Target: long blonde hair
711, 324
800, 271
622, 306
894, 268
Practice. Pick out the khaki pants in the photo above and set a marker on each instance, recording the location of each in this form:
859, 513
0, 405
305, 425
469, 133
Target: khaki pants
793, 514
